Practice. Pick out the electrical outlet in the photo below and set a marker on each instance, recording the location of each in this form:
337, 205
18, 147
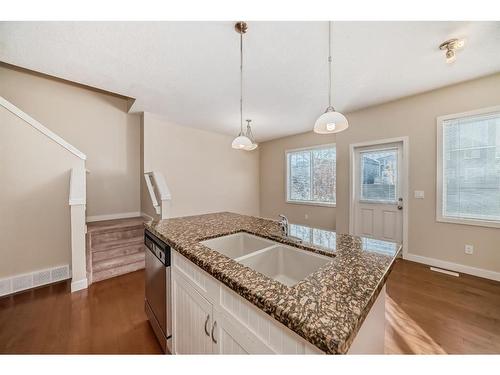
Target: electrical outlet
469, 249
306, 216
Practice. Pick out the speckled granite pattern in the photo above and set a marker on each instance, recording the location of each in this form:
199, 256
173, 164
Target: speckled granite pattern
327, 308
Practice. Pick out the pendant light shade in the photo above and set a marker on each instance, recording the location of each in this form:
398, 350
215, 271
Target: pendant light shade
331, 121
241, 142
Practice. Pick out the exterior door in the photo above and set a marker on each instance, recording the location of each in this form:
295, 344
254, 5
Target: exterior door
377, 200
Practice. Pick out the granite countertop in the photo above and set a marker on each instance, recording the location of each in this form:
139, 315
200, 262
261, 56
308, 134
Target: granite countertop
327, 308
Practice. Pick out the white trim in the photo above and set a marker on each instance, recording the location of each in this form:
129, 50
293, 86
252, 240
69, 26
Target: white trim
479, 272
79, 285
476, 112
439, 172
25, 281
405, 188
77, 189
42, 129
451, 273
122, 215
313, 203
146, 216
287, 175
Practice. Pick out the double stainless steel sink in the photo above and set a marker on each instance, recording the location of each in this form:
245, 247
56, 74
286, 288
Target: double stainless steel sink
285, 264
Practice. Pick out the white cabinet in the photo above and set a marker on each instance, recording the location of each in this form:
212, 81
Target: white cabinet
191, 319
208, 317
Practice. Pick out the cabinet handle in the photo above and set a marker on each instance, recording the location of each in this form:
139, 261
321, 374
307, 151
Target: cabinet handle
213, 329
206, 322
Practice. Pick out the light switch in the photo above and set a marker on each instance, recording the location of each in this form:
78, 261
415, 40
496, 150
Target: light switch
419, 194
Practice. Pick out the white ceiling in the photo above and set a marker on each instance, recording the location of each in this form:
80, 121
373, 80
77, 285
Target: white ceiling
188, 72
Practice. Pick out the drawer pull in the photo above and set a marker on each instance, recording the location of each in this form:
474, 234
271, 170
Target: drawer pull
206, 329
213, 329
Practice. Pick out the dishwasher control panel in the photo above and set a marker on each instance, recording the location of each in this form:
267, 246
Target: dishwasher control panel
159, 248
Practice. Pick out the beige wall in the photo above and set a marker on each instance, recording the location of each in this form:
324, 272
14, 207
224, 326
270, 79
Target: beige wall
272, 182
34, 193
416, 117
203, 172
96, 123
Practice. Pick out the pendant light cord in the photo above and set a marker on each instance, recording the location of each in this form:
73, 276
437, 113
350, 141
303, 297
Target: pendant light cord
330, 64
241, 82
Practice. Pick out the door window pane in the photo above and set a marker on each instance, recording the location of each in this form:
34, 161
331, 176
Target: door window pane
379, 175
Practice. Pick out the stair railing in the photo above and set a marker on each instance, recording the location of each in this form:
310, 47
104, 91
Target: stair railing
77, 197
157, 187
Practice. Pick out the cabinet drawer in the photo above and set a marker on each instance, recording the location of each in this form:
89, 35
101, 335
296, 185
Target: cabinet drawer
205, 284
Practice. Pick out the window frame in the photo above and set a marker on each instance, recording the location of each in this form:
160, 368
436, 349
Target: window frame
440, 184
287, 177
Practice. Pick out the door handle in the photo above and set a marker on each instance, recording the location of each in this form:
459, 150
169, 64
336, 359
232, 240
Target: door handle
213, 329
400, 203
206, 329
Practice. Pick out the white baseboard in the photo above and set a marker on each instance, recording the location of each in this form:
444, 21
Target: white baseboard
122, 215
479, 272
145, 215
34, 279
79, 285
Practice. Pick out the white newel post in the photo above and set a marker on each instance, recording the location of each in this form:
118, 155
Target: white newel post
77, 202
156, 179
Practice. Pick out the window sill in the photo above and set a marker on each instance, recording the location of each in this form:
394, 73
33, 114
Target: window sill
308, 203
473, 222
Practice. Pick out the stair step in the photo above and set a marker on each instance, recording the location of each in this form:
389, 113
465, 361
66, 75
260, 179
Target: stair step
115, 247
133, 241
107, 274
111, 225
117, 252
120, 234
117, 262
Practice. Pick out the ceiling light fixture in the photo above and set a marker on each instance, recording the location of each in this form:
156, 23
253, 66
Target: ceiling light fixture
331, 121
242, 141
249, 135
451, 46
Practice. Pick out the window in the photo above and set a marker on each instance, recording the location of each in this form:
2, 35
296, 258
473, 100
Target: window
379, 175
469, 168
311, 175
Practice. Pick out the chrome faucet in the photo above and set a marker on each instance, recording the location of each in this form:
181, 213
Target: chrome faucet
285, 229
284, 225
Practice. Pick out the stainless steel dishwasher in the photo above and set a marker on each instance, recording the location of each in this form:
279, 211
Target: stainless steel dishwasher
158, 292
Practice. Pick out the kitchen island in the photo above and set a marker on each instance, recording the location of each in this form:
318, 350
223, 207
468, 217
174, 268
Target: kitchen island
326, 309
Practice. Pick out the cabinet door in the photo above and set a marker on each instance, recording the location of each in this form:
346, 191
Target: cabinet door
192, 319
228, 339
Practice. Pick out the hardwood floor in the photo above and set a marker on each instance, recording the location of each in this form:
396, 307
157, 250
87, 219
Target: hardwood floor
432, 313
107, 318
427, 313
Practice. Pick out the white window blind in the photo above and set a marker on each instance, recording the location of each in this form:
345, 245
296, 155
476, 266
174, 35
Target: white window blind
470, 172
311, 175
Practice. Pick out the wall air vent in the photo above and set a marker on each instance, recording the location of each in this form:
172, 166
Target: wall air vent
25, 281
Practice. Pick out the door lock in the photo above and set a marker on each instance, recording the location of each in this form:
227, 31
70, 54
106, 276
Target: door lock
400, 203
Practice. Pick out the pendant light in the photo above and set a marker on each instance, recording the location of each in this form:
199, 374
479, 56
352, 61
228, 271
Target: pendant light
241, 142
331, 121
249, 135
